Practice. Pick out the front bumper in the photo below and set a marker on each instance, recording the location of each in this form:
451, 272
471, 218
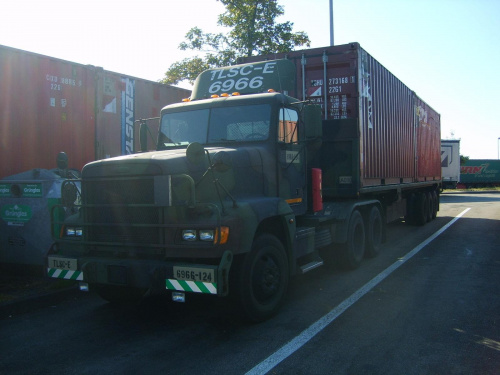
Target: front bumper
156, 276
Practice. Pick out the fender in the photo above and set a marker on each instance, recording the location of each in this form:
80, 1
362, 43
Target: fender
339, 213
253, 212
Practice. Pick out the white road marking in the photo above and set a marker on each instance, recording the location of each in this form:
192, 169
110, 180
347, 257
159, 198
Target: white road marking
291, 347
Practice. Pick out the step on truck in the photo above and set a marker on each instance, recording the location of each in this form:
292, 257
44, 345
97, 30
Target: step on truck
270, 169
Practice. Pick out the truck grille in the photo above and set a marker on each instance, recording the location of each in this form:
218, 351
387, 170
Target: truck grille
121, 210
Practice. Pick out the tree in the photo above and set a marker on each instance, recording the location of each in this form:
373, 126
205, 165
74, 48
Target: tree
253, 30
463, 159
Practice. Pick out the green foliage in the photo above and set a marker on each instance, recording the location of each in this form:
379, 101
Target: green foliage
253, 31
463, 159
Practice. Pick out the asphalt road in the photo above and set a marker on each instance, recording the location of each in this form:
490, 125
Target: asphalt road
429, 304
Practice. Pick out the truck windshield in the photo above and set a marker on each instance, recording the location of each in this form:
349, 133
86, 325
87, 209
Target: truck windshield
215, 125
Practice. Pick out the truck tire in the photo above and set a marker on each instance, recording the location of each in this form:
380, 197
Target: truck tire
430, 204
352, 252
421, 208
264, 277
118, 295
435, 204
374, 232
410, 209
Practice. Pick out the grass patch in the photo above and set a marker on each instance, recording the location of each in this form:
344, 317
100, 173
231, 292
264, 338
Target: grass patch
485, 189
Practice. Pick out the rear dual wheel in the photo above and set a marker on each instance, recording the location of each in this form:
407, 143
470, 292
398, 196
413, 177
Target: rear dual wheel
374, 232
422, 207
411, 202
435, 207
352, 252
430, 203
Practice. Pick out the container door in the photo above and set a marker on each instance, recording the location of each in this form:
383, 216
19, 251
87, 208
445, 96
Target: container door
292, 161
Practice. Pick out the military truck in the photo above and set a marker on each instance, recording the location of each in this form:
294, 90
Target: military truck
249, 186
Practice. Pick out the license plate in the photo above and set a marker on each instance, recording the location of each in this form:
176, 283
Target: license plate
206, 275
63, 263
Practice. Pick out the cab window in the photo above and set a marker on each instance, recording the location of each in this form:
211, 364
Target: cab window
288, 122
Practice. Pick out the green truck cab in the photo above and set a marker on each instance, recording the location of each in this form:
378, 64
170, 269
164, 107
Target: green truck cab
213, 210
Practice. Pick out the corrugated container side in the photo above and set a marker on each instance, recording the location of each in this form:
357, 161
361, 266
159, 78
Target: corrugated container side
123, 100
428, 141
386, 123
371, 134
46, 106
49, 105
108, 112
151, 97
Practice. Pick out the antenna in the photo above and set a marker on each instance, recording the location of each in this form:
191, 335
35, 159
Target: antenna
331, 23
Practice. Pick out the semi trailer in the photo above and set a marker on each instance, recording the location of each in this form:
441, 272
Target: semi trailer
480, 173
270, 169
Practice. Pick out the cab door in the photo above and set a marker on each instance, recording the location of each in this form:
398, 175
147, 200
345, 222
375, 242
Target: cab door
292, 160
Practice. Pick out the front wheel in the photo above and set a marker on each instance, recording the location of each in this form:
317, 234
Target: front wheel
264, 278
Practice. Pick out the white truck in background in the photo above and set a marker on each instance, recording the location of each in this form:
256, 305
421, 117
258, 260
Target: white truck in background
450, 163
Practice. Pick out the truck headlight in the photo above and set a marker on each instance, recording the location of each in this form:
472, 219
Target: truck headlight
207, 235
189, 235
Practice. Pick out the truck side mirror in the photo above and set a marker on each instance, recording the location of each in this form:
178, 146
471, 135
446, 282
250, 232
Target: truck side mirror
195, 153
311, 115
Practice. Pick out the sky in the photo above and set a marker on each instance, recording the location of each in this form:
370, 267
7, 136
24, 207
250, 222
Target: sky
447, 51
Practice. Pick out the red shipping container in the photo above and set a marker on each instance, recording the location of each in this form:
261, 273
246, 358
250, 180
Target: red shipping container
376, 130
428, 142
49, 105
125, 100
46, 106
